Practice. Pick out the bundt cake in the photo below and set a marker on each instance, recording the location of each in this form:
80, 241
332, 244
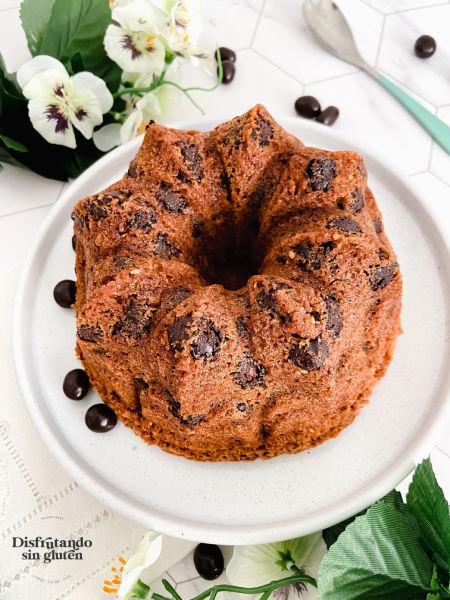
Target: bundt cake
237, 297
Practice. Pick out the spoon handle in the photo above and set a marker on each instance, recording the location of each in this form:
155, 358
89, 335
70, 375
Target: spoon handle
435, 127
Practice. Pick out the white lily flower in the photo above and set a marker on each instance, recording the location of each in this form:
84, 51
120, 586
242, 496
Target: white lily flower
184, 30
58, 102
132, 41
148, 553
251, 566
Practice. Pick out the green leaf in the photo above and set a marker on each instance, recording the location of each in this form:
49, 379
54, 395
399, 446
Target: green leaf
13, 144
34, 15
378, 557
427, 503
78, 27
331, 534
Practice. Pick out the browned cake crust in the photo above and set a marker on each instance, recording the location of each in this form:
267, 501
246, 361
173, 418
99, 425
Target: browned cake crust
237, 297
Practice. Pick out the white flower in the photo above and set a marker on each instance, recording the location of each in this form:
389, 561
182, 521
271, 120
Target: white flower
57, 102
184, 29
157, 105
148, 553
251, 566
132, 41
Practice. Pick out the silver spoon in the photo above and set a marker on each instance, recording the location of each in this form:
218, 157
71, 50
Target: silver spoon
330, 28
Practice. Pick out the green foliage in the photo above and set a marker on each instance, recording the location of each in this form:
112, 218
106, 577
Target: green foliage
34, 15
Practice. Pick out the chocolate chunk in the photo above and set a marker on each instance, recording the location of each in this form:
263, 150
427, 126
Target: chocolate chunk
358, 203
87, 333
140, 384
263, 131
241, 406
382, 276
206, 339
132, 170
193, 159
267, 299
340, 203
178, 332
183, 177
100, 418
208, 561
344, 224
242, 328
250, 373
177, 296
321, 173
65, 292
362, 168
334, 316
228, 71
144, 219
377, 225
172, 201
136, 321
78, 220
312, 257
76, 384
164, 248
425, 46
74, 242
311, 355
191, 420
328, 116
307, 107
198, 228
96, 208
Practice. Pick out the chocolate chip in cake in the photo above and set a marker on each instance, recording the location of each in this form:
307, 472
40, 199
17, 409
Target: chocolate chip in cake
208, 560
76, 384
382, 276
311, 257
136, 321
100, 418
227, 54
181, 176
175, 406
144, 219
192, 158
178, 331
96, 208
65, 292
74, 242
88, 333
362, 169
132, 171
177, 296
250, 373
241, 406
377, 225
206, 339
307, 107
321, 173
335, 319
328, 116
311, 355
425, 46
172, 201
358, 204
198, 227
122, 261
344, 224
242, 328
262, 131
78, 220
163, 248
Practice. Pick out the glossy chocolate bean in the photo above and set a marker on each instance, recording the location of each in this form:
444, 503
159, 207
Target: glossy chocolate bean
64, 293
227, 54
74, 241
76, 384
328, 116
425, 46
228, 71
208, 560
307, 107
100, 418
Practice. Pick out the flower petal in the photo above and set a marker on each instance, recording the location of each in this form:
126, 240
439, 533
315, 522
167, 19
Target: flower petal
254, 565
85, 112
51, 123
130, 128
50, 85
36, 65
147, 554
140, 15
88, 81
107, 137
137, 52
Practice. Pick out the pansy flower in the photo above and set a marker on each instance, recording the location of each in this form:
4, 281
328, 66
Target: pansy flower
251, 566
58, 102
133, 41
147, 554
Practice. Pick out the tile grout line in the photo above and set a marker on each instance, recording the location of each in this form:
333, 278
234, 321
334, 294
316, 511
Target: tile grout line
377, 57
26, 210
405, 10
443, 451
277, 67
258, 21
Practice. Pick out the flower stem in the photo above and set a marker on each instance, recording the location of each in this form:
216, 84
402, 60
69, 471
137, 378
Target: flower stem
171, 589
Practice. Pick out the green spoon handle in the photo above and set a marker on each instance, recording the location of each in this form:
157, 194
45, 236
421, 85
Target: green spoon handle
435, 127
